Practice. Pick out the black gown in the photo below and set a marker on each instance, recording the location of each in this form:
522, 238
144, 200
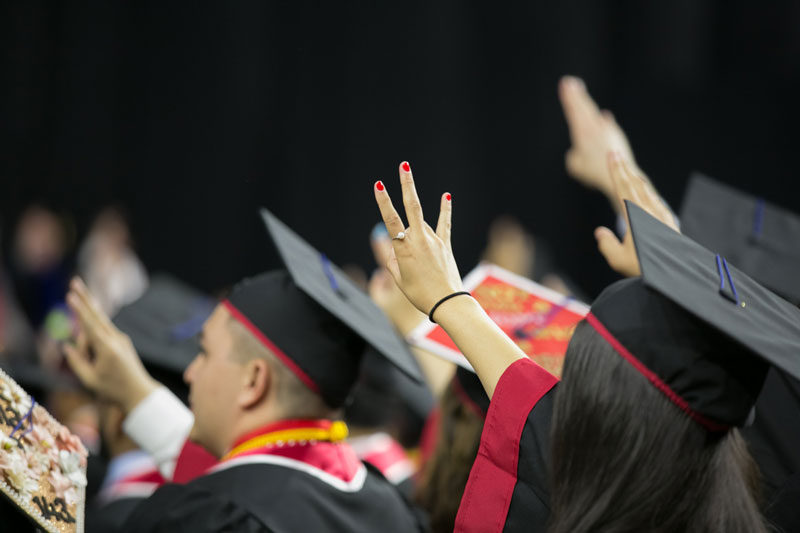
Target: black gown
109, 518
508, 484
774, 436
273, 498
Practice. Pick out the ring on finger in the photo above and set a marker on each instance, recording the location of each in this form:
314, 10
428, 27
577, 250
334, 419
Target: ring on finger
400, 236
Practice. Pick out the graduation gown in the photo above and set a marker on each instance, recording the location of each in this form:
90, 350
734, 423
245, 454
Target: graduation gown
774, 436
135, 479
507, 488
319, 487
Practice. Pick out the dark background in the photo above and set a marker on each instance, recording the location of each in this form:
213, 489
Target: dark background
192, 115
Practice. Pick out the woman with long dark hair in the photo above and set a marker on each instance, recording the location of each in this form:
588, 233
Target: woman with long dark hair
644, 464
644, 435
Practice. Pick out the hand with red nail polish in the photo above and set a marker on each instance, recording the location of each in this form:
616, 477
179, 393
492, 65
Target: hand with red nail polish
422, 262
384, 291
423, 266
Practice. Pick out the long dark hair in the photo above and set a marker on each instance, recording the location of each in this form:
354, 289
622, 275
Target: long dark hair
626, 459
444, 476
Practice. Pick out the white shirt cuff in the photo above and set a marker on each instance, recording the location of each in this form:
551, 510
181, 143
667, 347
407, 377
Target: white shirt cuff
160, 425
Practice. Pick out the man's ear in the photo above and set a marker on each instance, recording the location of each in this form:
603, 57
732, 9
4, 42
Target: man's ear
256, 382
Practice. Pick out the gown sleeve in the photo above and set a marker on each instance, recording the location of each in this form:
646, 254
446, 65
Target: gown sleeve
507, 487
160, 425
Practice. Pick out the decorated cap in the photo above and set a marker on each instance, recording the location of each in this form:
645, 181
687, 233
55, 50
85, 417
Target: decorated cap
314, 319
699, 329
42, 467
760, 238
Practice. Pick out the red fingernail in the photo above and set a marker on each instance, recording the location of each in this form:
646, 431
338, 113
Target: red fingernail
448, 197
406, 167
379, 185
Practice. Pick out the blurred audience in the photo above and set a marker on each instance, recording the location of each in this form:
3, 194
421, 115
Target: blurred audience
108, 264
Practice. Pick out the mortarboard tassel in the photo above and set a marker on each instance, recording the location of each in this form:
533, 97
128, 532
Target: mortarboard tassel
720, 264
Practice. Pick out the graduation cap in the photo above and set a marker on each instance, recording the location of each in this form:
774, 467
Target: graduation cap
760, 238
698, 328
42, 468
163, 325
315, 319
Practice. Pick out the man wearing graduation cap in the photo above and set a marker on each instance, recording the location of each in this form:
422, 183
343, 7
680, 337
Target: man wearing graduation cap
277, 360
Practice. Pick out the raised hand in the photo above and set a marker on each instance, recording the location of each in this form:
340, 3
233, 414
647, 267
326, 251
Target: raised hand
422, 262
594, 133
632, 186
423, 266
103, 357
384, 291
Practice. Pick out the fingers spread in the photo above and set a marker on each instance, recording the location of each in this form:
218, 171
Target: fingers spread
410, 198
445, 217
394, 224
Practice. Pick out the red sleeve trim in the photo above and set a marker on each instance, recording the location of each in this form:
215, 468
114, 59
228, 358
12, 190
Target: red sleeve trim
491, 483
271, 346
652, 377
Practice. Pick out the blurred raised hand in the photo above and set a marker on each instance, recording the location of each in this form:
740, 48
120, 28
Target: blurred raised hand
593, 133
629, 184
103, 357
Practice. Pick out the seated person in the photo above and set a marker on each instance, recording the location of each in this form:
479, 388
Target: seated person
278, 359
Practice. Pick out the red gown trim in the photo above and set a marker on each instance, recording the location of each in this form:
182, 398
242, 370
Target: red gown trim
487, 496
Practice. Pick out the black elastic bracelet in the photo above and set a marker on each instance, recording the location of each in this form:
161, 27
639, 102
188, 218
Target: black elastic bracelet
443, 300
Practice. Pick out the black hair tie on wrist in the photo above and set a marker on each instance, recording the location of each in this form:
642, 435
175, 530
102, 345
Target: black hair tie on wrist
443, 300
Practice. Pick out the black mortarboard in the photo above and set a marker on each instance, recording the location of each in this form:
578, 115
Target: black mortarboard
699, 329
163, 325
760, 238
315, 319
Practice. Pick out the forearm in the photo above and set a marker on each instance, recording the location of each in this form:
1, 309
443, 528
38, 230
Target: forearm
488, 349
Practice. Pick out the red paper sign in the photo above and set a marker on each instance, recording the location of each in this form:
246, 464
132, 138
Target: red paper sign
540, 320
